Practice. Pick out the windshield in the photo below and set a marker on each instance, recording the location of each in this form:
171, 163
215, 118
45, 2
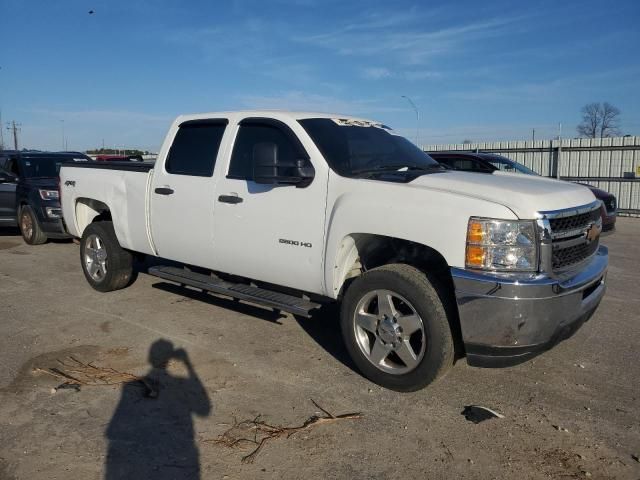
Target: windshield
353, 147
40, 167
507, 165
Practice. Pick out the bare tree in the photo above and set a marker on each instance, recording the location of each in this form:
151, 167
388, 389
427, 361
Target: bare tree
599, 120
609, 124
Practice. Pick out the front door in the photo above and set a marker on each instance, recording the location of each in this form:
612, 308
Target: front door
182, 194
272, 233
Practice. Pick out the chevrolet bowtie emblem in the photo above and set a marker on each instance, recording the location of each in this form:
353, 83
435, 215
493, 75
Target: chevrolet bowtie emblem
593, 232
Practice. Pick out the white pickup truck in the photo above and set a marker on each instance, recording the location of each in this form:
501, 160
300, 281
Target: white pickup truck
292, 210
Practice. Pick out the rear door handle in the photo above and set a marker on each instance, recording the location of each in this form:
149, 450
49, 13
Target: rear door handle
164, 191
229, 199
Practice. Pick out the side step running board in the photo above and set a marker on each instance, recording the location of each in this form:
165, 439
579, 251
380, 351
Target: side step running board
261, 296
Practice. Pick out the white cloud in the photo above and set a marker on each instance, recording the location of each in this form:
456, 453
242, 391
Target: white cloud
406, 39
376, 73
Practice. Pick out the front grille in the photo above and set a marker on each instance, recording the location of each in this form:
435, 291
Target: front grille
569, 231
582, 220
565, 257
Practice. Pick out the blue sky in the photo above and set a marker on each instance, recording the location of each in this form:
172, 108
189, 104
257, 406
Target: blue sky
476, 70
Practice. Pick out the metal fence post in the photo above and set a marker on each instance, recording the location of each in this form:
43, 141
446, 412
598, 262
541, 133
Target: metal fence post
558, 156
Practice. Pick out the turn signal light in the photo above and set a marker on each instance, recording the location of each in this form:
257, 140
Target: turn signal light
475, 232
475, 256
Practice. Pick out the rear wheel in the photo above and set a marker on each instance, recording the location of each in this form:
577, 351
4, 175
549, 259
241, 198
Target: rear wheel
30, 228
396, 329
106, 265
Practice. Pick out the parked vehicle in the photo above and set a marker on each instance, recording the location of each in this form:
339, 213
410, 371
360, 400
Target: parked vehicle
490, 163
30, 193
302, 209
119, 158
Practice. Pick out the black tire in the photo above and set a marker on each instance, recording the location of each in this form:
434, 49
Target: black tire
117, 266
413, 285
30, 227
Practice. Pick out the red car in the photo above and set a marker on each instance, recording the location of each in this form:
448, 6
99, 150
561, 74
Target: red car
490, 162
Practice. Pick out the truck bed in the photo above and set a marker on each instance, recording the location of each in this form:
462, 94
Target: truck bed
126, 166
121, 188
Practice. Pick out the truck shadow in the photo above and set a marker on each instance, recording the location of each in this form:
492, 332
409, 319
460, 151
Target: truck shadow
324, 328
151, 433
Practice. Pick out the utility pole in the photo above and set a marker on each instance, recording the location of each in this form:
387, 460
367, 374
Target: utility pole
1, 133
15, 128
533, 135
63, 142
415, 109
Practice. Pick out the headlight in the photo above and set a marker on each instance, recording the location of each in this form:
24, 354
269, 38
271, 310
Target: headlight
501, 245
49, 194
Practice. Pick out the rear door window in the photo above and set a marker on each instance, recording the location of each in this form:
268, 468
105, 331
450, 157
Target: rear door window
195, 148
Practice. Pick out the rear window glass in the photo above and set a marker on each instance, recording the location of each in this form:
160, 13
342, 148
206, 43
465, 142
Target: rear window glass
195, 148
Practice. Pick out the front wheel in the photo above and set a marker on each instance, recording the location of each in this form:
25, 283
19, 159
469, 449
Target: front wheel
30, 228
106, 265
395, 328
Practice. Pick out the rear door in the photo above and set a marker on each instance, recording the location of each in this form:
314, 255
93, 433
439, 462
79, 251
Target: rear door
182, 193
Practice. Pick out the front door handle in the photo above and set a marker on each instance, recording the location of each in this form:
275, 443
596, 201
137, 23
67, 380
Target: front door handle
164, 191
229, 199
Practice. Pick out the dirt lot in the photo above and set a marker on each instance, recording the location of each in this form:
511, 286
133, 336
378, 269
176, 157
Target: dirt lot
570, 413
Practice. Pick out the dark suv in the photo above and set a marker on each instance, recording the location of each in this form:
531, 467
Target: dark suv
490, 162
29, 194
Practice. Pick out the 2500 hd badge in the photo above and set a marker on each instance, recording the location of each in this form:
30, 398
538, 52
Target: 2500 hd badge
296, 243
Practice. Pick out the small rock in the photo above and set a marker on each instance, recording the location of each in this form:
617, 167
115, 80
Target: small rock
636, 457
560, 429
587, 408
586, 474
54, 391
470, 461
369, 390
477, 413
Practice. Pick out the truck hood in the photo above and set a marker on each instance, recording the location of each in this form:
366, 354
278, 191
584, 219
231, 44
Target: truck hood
523, 194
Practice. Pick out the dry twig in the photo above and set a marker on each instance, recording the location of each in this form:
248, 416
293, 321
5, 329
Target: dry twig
73, 372
261, 432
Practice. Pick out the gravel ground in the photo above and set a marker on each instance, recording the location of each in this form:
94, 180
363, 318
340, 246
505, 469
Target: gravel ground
570, 413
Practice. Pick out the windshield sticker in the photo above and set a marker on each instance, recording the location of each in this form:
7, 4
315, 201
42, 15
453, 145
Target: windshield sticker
348, 122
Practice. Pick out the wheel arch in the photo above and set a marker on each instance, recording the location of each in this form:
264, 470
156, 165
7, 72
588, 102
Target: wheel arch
359, 252
89, 210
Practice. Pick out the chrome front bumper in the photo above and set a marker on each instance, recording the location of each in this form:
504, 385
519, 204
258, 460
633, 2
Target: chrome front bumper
508, 319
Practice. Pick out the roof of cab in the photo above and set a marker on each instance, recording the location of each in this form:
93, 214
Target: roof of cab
276, 114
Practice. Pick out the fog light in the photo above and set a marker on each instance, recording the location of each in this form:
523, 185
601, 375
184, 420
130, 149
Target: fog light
54, 212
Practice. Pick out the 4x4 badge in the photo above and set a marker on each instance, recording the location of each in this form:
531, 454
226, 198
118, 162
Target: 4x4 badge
70, 183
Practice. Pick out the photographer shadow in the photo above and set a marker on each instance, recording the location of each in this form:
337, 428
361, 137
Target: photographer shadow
151, 433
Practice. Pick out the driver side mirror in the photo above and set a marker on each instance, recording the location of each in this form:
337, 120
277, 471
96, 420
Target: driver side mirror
270, 168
